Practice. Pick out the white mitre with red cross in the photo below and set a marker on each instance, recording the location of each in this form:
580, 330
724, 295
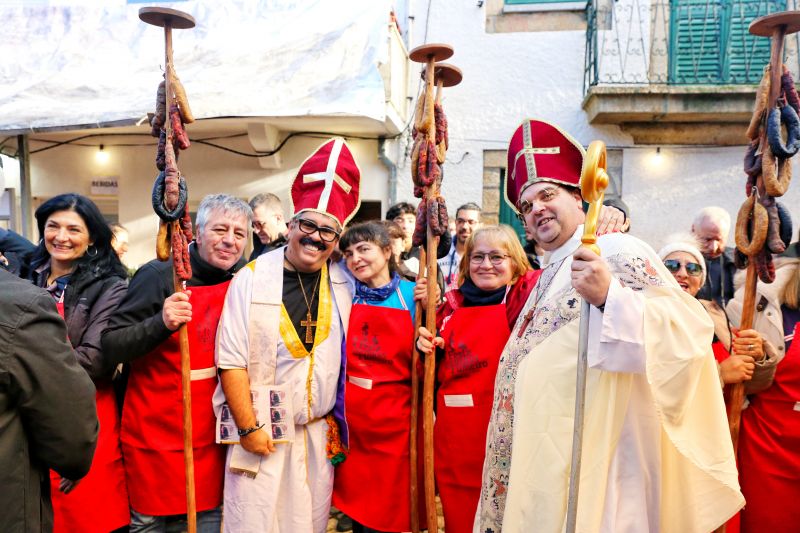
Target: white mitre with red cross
328, 182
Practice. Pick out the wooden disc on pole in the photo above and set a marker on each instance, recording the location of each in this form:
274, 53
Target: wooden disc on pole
765, 26
449, 75
433, 51
165, 17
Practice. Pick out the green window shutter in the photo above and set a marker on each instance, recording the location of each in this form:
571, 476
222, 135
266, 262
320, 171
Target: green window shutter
695, 56
710, 42
508, 215
746, 54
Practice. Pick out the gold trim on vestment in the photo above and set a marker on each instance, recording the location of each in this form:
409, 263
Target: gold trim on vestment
291, 339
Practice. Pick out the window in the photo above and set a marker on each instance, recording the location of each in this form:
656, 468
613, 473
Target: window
508, 215
710, 42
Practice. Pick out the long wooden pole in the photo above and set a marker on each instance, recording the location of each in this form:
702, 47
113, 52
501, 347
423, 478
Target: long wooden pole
749, 303
183, 333
430, 324
414, 485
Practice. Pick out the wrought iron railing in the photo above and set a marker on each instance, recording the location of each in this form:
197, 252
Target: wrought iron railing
679, 42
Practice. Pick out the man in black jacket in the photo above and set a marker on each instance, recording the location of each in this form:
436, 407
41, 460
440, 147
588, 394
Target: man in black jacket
269, 226
143, 332
47, 407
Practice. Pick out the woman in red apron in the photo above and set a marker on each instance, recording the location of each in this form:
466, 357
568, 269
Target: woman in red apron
76, 264
372, 485
769, 444
474, 324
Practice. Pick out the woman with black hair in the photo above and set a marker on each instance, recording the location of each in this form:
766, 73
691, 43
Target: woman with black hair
372, 485
75, 263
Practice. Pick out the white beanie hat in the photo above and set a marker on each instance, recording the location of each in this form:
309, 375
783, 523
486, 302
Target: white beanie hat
688, 247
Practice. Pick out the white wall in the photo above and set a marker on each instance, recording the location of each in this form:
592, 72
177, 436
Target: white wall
512, 76
507, 77
208, 170
664, 197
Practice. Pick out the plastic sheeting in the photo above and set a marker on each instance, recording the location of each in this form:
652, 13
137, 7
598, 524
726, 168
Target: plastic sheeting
66, 63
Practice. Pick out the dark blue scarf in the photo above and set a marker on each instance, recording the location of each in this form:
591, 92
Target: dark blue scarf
367, 294
475, 297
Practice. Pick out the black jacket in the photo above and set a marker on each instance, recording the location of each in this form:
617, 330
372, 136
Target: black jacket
137, 327
47, 406
89, 301
261, 249
717, 269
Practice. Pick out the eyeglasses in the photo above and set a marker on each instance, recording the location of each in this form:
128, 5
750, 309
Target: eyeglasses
325, 233
544, 196
674, 266
495, 259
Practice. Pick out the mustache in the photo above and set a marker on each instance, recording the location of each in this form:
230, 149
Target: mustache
319, 245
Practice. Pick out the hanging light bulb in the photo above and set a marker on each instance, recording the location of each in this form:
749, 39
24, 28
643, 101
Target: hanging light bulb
101, 155
657, 157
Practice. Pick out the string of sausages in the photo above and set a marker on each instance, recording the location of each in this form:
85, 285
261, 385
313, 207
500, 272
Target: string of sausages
170, 193
427, 156
763, 225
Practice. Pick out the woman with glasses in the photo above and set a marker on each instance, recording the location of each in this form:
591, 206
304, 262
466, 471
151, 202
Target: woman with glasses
372, 485
769, 443
740, 354
474, 323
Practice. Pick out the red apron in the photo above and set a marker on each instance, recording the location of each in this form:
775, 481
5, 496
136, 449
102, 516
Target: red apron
372, 485
769, 451
474, 339
720, 354
152, 417
99, 503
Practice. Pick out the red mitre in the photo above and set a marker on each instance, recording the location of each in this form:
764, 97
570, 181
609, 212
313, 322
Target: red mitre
328, 182
540, 151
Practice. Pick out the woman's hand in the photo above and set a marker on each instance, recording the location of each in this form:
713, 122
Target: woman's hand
421, 292
748, 342
67, 485
737, 368
426, 342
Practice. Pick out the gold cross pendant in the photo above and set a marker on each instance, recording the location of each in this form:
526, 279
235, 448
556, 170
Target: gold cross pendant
308, 324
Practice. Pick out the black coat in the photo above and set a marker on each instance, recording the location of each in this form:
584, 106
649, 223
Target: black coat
47, 406
137, 327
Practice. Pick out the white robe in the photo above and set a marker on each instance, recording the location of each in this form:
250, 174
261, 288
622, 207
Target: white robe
292, 491
638, 437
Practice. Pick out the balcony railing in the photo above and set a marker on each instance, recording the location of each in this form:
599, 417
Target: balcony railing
679, 42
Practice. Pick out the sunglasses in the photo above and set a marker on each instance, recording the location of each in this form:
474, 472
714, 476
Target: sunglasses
674, 266
325, 233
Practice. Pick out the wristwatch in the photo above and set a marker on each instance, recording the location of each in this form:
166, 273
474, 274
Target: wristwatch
247, 431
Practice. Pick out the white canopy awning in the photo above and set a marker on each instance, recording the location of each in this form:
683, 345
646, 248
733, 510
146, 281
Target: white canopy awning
69, 63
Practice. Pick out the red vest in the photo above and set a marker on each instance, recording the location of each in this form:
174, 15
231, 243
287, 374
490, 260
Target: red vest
99, 503
769, 451
152, 418
474, 339
372, 485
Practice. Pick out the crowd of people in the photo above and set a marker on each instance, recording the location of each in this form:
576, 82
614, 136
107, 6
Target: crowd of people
301, 367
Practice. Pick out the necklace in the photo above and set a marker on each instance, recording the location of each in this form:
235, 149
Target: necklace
308, 323
541, 290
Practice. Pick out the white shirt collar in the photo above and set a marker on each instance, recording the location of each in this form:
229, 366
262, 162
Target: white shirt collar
568, 248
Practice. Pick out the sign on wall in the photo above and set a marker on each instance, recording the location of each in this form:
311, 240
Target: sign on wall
107, 186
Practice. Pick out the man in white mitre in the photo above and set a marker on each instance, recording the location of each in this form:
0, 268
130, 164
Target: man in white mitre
657, 455
279, 351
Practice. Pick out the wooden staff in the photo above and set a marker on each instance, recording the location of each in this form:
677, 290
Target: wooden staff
169, 19
429, 54
594, 181
415, 405
775, 26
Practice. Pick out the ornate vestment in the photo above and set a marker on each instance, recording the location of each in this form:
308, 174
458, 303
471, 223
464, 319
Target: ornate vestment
657, 454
